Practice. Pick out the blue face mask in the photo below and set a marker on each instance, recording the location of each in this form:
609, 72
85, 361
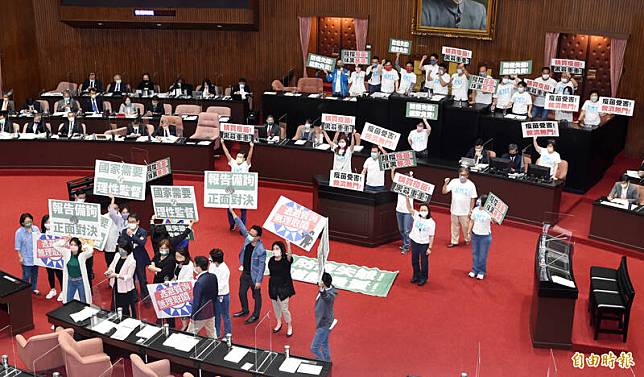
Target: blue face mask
478, 202
250, 238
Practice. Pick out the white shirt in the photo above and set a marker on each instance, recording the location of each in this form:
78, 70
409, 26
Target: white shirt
337, 83
223, 277
438, 88
375, 75
187, 272
342, 162
483, 98
503, 95
418, 139
407, 81
462, 194
591, 115
482, 222
112, 236
422, 229
459, 87
375, 176
387, 84
401, 204
520, 102
357, 83
238, 168
541, 100
430, 72
549, 160
559, 88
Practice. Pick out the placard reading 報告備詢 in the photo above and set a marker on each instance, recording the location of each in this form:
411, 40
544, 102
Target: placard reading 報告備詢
225, 189
75, 219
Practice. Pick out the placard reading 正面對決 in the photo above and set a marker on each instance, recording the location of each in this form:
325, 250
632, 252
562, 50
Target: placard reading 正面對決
75, 219
45, 254
321, 62
412, 188
174, 202
538, 88
237, 132
399, 46
172, 299
346, 180
422, 110
159, 169
523, 67
339, 123
617, 106
402, 159
120, 180
496, 208
105, 223
456, 55
562, 102
575, 67
295, 223
483, 84
355, 57
380, 136
225, 189
540, 128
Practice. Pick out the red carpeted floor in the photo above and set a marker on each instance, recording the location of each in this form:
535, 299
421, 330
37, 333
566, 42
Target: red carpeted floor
435, 330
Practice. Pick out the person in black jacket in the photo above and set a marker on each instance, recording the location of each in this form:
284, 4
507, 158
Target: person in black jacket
154, 108
159, 232
36, 126
32, 106
241, 90
165, 129
137, 128
514, 157
204, 295
280, 284
146, 83
93, 104
91, 82
479, 153
6, 125
181, 87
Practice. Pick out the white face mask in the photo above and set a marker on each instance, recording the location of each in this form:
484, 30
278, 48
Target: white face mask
521, 90
122, 253
71, 119
277, 253
459, 71
545, 76
506, 81
342, 144
462, 179
239, 160
594, 98
423, 214
47, 226
132, 226
164, 252
127, 102
564, 80
80, 200
118, 81
374, 155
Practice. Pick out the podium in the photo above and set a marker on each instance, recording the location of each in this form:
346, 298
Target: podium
15, 304
358, 217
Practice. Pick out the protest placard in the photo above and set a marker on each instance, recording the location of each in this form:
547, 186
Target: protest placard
540, 128
45, 254
496, 208
339, 123
177, 227
295, 223
174, 202
172, 299
412, 188
237, 132
380, 136
321, 62
538, 88
519, 68
223, 189
402, 159
456, 55
399, 46
346, 180
576, 67
120, 180
617, 106
355, 57
75, 219
562, 102
422, 110
483, 84
159, 169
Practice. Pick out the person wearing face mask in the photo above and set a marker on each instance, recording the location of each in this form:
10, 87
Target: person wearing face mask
357, 82
516, 163
624, 191
165, 129
127, 107
463, 198
154, 108
71, 126
252, 258
93, 104
121, 273
179, 87
407, 77
24, 246
183, 271
91, 82
241, 91
342, 154
52, 273
375, 178
403, 217
521, 101
240, 164
272, 129
222, 304
36, 126
6, 124
538, 110
81, 196
430, 69
118, 214
421, 238
207, 88
419, 137
280, 284
590, 114
561, 114
503, 96
478, 96
389, 78
76, 282
67, 103
163, 263
117, 86
566, 82
374, 73
146, 84
339, 79
137, 237
460, 84
480, 230
548, 156
204, 296
137, 128
479, 153
31, 106
304, 131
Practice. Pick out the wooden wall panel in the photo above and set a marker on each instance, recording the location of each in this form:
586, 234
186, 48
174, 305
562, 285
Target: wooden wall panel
268, 54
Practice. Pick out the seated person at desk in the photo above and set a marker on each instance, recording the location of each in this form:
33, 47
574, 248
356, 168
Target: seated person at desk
419, 137
549, 157
590, 114
94, 104
6, 124
479, 153
389, 78
241, 90
165, 129
31, 106
375, 179
272, 129
502, 99
71, 127
136, 128
7, 103
341, 154
407, 76
91, 82
308, 133
180, 88
146, 83
127, 107
641, 171
339, 78
480, 97
67, 103
36, 126
624, 191
118, 86
460, 84
514, 157
207, 88
521, 102
154, 108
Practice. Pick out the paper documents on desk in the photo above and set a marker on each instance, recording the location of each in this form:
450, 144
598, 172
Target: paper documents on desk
358, 148
561, 281
310, 369
58, 114
28, 136
236, 354
181, 342
93, 115
84, 314
148, 332
121, 333
52, 94
204, 142
142, 138
271, 93
300, 142
247, 366
323, 147
290, 365
104, 327
436, 97
633, 174
615, 203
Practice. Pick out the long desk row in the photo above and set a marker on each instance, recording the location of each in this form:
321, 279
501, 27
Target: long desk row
588, 150
621, 226
207, 356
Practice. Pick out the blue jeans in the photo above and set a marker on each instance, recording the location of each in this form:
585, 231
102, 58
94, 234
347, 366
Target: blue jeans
320, 344
222, 313
480, 248
76, 285
374, 188
30, 275
404, 227
231, 221
539, 112
373, 88
419, 261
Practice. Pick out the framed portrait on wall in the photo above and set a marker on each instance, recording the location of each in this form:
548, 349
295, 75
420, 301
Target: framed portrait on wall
455, 18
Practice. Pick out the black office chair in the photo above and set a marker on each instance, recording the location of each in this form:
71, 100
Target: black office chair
603, 279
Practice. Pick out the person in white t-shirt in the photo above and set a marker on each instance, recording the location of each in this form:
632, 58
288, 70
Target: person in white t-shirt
375, 179
463, 197
356, 82
480, 97
430, 70
480, 229
240, 164
389, 78
502, 99
341, 152
407, 77
538, 109
562, 114
590, 114
421, 239
419, 137
222, 306
460, 84
403, 218
549, 157
566, 82
440, 85
521, 101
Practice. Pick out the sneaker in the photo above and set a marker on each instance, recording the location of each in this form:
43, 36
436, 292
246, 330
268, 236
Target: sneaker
452, 245
60, 297
403, 251
36, 292
471, 274
480, 276
51, 294
401, 247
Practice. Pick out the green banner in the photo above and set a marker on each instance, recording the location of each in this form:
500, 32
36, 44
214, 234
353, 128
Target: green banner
422, 110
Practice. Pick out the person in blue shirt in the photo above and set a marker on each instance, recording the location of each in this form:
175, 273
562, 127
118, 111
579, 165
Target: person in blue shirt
25, 249
340, 79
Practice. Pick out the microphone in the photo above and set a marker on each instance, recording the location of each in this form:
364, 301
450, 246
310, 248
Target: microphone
524, 149
484, 144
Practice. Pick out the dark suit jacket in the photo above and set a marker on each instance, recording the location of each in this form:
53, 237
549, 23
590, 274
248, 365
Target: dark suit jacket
8, 125
87, 104
235, 89
40, 129
36, 106
516, 164
204, 296
155, 110
73, 105
138, 242
98, 85
142, 129
125, 88
211, 87
159, 131
485, 155
77, 129
632, 193
275, 130
187, 87
149, 85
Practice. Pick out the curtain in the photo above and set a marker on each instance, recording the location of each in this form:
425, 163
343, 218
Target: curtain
305, 35
550, 51
617, 48
362, 26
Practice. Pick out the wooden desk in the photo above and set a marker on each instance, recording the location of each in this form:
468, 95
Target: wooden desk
616, 225
15, 304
